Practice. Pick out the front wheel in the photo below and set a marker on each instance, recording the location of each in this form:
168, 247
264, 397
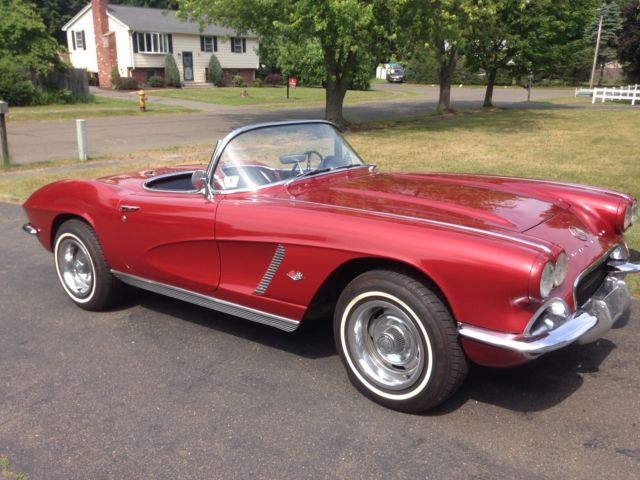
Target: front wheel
82, 269
398, 341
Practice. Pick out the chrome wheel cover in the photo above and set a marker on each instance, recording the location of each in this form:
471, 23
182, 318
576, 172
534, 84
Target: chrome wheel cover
75, 267
384, 344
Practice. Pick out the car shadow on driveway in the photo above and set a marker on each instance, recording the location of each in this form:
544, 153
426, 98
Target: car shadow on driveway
533, 387
313, 339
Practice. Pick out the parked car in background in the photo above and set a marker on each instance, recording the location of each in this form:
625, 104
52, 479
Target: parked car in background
420, 273
395, 74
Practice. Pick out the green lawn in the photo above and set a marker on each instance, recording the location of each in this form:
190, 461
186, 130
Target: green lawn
271, 95
98, 107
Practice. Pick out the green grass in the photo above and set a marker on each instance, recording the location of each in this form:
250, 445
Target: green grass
301, 96
99, 107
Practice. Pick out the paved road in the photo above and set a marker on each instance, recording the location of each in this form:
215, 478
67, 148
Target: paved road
40, 141
161, 389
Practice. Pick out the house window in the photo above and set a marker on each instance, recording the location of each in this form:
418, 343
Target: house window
78, 40
238, 45
151, 42
208, 44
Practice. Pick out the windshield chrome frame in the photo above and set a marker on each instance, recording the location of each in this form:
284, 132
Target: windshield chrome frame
222, 144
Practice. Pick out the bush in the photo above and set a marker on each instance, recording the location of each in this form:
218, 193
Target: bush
273, 79
115, 78
171, 72
127, 83
257, 83
216, 75
238, 81
15, 89
156, 81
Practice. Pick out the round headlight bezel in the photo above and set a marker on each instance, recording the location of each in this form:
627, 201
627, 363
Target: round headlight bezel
560, 269
546, 280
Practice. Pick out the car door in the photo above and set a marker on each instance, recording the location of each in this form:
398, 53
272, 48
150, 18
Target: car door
170, 238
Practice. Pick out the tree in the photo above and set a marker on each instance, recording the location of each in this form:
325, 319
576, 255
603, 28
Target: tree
629, 40
215, 73
24, 38
523, 36
444, 27
347, 31
611, 28
171, 72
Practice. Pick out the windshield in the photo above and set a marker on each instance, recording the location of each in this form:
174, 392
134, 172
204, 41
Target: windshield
273, 154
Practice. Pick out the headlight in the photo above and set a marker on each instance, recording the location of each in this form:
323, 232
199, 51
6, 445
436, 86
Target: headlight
546, 280
560, 270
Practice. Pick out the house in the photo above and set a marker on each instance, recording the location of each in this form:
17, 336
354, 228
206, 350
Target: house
137, 39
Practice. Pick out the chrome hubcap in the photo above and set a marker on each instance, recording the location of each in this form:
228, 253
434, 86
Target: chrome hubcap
75, 267
385, 344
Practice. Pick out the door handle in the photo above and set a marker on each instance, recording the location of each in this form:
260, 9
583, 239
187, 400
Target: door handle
129, 208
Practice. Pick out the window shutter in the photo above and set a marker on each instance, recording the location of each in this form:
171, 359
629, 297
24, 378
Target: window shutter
84, 42
170, 43
231, 42
201, 43
215, 44
244, 45
134, 39
73, 39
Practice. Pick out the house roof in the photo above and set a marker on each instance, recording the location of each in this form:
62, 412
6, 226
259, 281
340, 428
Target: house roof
144, 19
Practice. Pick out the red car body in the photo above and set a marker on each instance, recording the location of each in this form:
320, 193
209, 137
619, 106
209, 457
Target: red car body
481, 241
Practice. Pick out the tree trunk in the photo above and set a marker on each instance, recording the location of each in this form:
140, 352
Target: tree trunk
334, 98
488, 94
446, 68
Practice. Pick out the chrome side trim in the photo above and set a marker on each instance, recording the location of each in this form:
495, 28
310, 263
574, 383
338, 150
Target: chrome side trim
271, 271
424, 220
30, 229
283, 323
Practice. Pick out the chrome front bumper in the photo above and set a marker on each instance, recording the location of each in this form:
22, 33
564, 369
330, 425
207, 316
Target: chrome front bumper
587, 324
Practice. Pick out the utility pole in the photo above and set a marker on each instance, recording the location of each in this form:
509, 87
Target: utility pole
595, 57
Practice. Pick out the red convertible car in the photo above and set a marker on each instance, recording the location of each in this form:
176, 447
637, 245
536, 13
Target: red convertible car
422, 273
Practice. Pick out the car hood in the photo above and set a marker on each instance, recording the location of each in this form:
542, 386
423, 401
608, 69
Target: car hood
432, 197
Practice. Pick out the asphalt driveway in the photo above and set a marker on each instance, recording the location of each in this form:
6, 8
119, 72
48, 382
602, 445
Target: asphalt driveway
162, 389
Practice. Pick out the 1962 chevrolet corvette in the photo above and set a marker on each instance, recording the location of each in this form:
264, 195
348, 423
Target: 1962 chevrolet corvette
422, 273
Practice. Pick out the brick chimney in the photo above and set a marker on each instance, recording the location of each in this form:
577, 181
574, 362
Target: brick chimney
105, 42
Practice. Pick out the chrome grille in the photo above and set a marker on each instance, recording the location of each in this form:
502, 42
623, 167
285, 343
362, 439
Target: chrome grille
590, 281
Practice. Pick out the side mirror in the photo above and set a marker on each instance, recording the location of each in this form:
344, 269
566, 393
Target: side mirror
200, 181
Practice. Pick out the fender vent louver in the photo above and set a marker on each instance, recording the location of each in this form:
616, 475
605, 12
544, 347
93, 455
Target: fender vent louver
271, 271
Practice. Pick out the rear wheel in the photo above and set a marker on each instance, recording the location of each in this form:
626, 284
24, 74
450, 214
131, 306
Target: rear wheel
82, 270
398, 341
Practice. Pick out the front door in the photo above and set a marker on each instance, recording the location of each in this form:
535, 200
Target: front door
187, 65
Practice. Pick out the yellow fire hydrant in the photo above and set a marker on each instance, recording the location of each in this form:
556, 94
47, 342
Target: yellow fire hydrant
143, 101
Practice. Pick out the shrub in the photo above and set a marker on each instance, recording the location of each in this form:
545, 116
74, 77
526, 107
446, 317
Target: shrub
171, 72
127, 83
273, 79
115, 78
15, 89
156, 81
216, 75
238, 81
257, 83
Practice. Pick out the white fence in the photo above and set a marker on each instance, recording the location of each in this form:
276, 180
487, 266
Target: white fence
629, 93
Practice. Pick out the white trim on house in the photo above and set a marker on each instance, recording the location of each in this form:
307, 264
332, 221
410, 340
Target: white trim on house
66, 26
